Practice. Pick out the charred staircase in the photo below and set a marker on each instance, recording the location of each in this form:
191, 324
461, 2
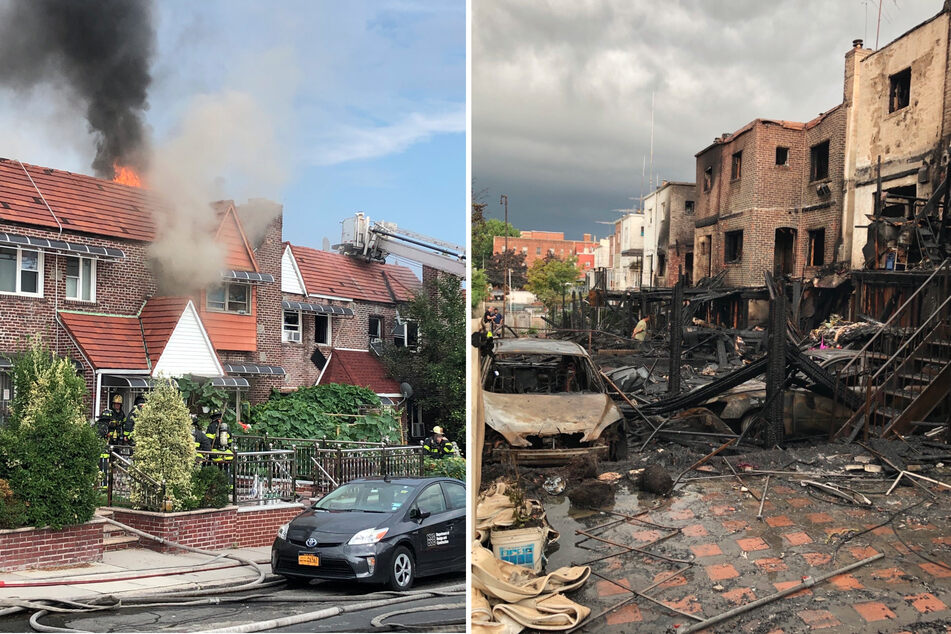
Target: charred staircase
904, 371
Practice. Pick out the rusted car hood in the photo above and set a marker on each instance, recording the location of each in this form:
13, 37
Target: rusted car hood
517, 416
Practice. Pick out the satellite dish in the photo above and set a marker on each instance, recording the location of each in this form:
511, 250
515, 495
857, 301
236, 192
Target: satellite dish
406, 390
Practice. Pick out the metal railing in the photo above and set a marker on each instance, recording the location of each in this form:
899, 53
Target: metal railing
878, 367
335, 466
261, 477
123, 477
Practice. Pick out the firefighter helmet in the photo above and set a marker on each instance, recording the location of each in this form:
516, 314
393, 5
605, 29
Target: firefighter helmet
117, 399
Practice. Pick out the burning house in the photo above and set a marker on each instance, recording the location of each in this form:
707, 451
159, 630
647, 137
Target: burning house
78, 267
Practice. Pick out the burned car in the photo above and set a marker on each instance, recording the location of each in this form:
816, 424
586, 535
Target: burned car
545, 403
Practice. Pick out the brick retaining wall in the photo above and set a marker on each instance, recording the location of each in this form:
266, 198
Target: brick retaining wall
24, 548
211, 529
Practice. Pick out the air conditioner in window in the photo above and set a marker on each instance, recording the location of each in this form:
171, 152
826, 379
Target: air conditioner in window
292, 337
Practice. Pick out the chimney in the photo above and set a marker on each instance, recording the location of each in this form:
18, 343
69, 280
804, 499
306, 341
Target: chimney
587, 237
857, 43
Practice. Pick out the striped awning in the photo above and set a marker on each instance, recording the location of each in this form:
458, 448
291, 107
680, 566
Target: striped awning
72, 248
251, 368
320, 309
230, 381
247, 276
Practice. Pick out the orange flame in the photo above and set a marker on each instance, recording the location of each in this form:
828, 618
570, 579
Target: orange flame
126, 176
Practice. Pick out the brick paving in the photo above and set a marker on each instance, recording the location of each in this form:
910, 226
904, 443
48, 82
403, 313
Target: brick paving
737, 558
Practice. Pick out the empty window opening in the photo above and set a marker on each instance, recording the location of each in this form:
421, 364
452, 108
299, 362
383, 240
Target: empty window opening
733, 246
782, 155
376, 329
688, 207
784, 258
736, 169
707, 179
817, 247
899, 93
688, 268
819, 161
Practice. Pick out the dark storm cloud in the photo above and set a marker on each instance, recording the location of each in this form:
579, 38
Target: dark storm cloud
101, 49
561, 91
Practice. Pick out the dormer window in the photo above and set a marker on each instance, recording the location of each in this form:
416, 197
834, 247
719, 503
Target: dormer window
229, 298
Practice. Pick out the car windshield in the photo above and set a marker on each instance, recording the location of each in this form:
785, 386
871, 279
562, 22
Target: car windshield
540, 374
367, 497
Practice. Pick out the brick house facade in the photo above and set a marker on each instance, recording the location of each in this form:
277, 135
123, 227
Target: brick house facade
76, 269
536, 245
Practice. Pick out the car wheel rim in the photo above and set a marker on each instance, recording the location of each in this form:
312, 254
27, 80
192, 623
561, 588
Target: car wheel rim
402, 569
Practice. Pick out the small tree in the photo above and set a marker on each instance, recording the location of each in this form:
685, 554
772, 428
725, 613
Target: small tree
49, 453
480, 287
437, 370
548, 279
164, 447
509, 266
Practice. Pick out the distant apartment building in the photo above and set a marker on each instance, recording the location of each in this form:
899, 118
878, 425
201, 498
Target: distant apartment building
537, 245
668, 233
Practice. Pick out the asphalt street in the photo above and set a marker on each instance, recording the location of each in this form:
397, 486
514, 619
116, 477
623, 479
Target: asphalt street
274, 603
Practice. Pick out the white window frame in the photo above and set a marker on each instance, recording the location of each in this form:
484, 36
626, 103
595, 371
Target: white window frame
404, 335
79, 279
329, 330
227, 307
287, 333
19, 275
379, 336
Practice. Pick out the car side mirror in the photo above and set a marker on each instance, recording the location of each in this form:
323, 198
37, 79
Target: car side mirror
416, 514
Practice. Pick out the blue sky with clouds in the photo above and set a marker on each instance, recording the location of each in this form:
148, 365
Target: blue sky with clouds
355, 106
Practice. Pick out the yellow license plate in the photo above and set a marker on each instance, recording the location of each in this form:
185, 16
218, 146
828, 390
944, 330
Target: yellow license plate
308, 560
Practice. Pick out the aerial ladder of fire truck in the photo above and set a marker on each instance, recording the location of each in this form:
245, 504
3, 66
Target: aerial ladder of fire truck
374, 241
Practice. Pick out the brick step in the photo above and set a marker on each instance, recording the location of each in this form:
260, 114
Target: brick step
119, 542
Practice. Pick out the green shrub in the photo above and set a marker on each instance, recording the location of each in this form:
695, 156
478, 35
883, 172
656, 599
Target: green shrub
449, 467
12, 510
50, 453
211, 487
164, 447
304, 413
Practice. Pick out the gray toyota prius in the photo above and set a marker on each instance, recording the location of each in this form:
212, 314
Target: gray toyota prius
386, 531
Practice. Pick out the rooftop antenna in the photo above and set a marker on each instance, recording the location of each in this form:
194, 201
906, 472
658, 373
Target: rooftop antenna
650, 182
879, 25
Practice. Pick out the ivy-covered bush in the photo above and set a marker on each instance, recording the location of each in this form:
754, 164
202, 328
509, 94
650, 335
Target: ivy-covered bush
49, 454
164, 447
305, 413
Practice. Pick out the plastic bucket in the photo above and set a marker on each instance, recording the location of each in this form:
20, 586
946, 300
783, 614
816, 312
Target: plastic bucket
520, 546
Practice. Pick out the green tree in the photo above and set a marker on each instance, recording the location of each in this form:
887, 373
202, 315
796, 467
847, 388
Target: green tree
49, 453
164, 446
550, 277
482, 236
437, 370
499, 266
480, 287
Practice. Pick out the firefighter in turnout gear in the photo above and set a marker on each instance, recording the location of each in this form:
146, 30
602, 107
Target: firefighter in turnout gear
220, 438
437, 445
202, 442
129, 425
112, 422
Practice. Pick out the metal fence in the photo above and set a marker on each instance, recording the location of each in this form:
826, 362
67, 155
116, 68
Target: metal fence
261, 477
335, 466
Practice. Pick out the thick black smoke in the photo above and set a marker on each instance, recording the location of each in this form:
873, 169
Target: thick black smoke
102, 50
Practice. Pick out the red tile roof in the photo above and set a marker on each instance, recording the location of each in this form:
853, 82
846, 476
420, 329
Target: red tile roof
340, 275
354, 367
109, 341
159, 317
81, 203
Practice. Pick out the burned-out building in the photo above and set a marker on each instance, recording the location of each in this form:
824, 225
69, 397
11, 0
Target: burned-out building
668, 233
769, 199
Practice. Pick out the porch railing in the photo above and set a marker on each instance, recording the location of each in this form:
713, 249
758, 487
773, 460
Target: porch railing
333, 466
123, 475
